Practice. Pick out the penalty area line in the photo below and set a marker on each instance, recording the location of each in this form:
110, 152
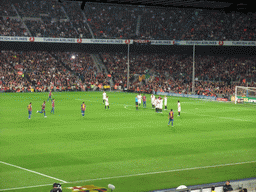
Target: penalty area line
33, 172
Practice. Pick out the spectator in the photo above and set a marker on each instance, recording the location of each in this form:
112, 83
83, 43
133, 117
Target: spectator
227, 187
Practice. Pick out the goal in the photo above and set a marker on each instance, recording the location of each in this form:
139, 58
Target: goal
245, 94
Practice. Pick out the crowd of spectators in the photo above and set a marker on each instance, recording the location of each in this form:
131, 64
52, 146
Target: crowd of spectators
77, 19
9, 68
243, 27
32, 8
12, 27
213, 25
215, 75
39, 69
81, 64
112, 21
163, 23
109, 21
6, 9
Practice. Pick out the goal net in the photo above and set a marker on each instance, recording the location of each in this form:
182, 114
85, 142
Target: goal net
245, 94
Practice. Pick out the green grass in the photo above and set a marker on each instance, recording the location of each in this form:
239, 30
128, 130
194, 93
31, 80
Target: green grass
134, 150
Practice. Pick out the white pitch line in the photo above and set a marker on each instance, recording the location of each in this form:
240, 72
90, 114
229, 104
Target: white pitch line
168, 171
27, 187
221, 117
140, 174
33, 172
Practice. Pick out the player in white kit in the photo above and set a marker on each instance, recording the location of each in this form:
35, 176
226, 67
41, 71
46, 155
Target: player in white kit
104, 96
160, 105
165, 103
106, 103
179, 108
139, 99
152, 98
157, 104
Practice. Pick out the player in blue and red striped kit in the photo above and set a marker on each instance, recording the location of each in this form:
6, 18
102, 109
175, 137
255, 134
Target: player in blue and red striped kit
170, 117
50, 96
29, 110
144, 98
83, 108
43, 109
53, 106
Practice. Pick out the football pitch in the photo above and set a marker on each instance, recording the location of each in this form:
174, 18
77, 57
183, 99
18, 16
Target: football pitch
133, 150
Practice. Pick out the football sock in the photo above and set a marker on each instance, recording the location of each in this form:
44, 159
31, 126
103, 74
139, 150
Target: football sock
108, 107
105, 107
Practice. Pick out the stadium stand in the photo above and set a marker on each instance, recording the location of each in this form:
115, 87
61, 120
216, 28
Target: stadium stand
12, 27
6, 9
148, 72
81, 64
110, 21
158, 72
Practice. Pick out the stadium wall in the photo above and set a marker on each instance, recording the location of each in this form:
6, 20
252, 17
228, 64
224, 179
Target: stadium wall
237, 185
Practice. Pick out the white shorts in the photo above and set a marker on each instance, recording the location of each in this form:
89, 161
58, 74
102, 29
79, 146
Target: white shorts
139, 102
179, 109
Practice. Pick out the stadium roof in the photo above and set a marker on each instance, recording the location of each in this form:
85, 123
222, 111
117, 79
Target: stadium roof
227, 5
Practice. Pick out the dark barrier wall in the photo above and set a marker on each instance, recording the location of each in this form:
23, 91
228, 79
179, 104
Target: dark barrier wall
93, 48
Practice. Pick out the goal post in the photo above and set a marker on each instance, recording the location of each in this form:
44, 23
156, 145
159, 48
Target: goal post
245, 94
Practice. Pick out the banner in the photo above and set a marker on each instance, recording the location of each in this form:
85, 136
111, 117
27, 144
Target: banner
247, 99
222, 99
199, 43
125, 41
87, 188
187, 95
11, 38
162, 42
141, 41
